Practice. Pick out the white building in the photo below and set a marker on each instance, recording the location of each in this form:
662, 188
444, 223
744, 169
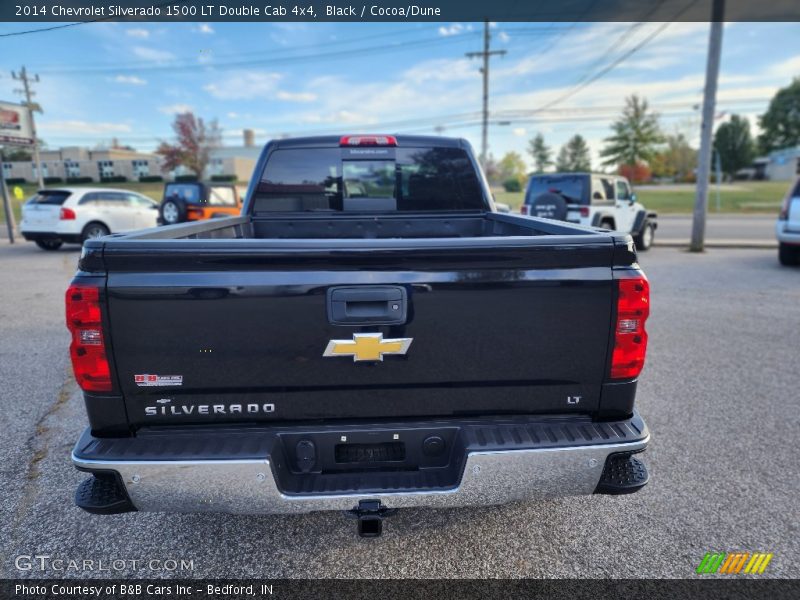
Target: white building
784, 165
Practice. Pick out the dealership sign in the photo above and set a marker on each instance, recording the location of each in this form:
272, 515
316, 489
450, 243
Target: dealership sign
15, 124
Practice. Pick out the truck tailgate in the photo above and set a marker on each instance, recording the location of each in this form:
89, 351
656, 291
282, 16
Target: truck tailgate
238, 332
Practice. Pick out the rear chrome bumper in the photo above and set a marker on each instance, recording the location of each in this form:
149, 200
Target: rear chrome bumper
487, 476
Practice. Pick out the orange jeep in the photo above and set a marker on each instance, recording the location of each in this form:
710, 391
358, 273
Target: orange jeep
195, 200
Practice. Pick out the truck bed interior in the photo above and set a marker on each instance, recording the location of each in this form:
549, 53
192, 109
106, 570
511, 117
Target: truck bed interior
364, 226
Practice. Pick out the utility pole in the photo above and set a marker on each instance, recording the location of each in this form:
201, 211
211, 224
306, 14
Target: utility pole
485, 55
707, 127
29, 94
7, 208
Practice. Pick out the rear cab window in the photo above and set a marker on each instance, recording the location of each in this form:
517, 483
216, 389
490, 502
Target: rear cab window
50, 197
368, 179
571, 187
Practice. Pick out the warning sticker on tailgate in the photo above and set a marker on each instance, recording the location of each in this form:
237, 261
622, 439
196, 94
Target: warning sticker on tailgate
148, 380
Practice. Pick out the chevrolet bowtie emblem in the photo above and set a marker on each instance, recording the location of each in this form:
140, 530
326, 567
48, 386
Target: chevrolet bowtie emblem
367, 346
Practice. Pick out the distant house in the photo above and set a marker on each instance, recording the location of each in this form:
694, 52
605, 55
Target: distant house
784, 165
238, 161
74, 162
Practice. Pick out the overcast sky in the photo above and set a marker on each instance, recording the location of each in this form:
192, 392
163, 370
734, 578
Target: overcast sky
127, 80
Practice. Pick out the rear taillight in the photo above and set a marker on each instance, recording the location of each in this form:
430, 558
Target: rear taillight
87, 350
368, 140
67, 214
630, 337
584, 211
524, 209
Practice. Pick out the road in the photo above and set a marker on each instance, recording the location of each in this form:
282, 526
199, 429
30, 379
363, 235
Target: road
718, 392
719, 227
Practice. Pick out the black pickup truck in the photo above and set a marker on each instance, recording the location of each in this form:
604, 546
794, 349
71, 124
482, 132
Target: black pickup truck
369, 334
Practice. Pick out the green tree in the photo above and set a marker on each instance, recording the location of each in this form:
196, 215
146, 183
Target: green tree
15, 154
678, 159
636, 135
540, 152
574, 155
780, 125
734, 144
512, 166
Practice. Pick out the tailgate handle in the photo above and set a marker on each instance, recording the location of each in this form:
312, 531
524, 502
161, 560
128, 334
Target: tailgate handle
367, 305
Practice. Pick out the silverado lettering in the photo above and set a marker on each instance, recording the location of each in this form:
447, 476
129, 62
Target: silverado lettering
204, 409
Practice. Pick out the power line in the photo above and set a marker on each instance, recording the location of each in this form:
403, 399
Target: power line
66, 25
321, 56
626, 55
277, 56
43, 29
265, 51
566, 115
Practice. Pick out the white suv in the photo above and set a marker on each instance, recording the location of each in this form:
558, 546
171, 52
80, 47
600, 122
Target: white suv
596, 200
787, 229
71, 215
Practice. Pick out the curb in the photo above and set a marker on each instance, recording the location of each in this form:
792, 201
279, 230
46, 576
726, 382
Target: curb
719, 243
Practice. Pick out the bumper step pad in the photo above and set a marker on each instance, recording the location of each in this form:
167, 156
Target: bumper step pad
103, 494
623, 474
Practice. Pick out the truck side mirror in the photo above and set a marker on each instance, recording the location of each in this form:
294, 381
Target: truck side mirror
632, 198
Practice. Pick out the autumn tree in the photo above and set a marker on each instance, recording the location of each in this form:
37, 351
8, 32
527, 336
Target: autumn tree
194, 140
636, 135
574, 155
540, 152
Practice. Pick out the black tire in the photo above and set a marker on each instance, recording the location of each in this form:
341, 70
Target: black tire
788, 255
549, 206
644, 239
172, 211
49, 244
94, 230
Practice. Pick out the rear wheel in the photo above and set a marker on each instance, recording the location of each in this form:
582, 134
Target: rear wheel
645, 237
607, 224
94, 230
173, 211
788, 255
49, 244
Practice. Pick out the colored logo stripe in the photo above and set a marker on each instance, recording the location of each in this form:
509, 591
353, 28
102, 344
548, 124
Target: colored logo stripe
758, 563
711, 562
732, 564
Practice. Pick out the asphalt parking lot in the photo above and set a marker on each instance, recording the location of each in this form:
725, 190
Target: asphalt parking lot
719, 392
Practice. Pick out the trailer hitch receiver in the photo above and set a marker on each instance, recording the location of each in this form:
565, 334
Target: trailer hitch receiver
370, 515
